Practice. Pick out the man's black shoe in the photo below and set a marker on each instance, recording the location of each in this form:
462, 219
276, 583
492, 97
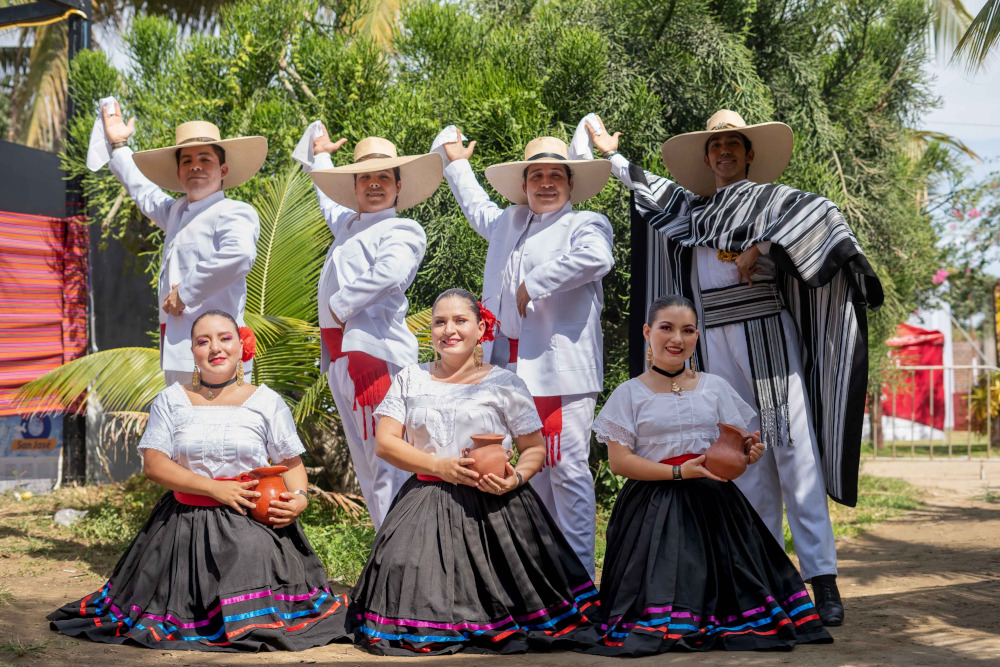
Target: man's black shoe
827, 597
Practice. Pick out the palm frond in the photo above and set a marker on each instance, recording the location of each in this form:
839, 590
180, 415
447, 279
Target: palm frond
124, 379
922, 137
314, 403
420, 324
980, 37
290, 251
951, 19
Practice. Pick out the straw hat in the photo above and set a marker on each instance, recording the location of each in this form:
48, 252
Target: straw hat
244, 155
589, 176
420, 175
684, 154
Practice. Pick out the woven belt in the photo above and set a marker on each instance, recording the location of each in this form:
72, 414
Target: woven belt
740, 303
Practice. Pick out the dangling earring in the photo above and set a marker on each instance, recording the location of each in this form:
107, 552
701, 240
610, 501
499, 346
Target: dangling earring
694, 362
239, 374
437, 360
649, 356
196, 378
477, 355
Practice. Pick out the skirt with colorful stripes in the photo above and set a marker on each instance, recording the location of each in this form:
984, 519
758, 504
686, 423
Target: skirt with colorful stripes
690, 565
211, 579
457, 569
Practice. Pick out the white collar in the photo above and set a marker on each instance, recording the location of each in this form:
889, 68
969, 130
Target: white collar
205, 202
726, 187
371, 218
552, 215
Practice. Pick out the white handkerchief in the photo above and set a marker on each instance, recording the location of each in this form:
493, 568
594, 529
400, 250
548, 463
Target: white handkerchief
445, 136
99, 150
582, 147
303, 152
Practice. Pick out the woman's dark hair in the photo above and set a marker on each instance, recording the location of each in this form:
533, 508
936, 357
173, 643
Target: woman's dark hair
668, 301
465, 294
219, 313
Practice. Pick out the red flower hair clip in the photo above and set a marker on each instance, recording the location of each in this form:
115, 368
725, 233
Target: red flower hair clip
487, 316
249, 343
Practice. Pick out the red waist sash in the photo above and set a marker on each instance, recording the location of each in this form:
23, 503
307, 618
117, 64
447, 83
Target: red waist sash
428, 478
369, 374
677, 460
199, 500
512, 359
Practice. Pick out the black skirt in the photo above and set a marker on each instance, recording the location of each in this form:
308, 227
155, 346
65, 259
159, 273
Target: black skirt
691, 565
211, 579
454, 568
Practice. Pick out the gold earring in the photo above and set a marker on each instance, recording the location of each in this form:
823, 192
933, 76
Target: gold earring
694, 362
649, 356
196, 378
239, 373
437, 359
477, 355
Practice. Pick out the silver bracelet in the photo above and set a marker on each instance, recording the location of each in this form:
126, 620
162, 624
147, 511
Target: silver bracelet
302, 492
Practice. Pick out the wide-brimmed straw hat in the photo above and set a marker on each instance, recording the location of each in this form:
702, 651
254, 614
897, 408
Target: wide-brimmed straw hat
244, 155
684, 155
419, 175
589, 176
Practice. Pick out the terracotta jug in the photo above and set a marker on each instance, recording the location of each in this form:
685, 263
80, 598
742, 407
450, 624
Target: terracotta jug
270, 485
489, 453
729, 455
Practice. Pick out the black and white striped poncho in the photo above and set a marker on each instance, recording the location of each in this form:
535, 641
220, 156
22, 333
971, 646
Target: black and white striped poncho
825, 281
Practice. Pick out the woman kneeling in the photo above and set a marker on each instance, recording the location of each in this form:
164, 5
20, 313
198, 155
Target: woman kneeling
201, 574
465, 561
689, 563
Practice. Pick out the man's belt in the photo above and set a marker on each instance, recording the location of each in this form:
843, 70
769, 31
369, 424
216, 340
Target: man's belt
740, 303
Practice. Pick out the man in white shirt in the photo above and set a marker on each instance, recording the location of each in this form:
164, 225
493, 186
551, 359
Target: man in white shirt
210, 241
543, 280
371, 263
781, 286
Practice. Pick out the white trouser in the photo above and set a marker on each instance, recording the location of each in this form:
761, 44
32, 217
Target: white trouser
378, 479
788, 474
567, 487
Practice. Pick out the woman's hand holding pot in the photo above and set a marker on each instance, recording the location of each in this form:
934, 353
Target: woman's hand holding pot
235, 494
491, 483
456, 471
285, 511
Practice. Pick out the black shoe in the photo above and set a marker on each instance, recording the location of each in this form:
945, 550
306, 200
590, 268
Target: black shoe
828, 603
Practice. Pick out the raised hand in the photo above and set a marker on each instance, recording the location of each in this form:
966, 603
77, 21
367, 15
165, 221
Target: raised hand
604, 141
115, 127
456, 151
322, 143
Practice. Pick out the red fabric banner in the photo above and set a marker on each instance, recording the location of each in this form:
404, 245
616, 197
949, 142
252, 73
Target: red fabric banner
910, 398
43, 299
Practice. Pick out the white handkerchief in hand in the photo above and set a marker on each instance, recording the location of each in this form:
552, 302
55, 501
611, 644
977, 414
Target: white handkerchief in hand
445, 136
303, 152
582, 146
99, 150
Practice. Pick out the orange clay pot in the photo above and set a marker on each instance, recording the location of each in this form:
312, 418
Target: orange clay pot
729, 456
489, 454
270, 485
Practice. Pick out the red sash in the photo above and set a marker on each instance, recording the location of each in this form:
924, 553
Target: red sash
428, 478
369, 374
512, 358
199, 500
677, 460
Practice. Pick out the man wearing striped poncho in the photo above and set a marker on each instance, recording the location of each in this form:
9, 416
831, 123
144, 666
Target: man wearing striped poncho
782, 288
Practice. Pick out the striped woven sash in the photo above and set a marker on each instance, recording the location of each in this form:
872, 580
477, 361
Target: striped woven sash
740, 303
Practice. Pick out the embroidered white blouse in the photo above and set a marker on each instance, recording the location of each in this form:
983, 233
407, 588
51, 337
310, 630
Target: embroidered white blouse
662, 426
222, 440
440, 417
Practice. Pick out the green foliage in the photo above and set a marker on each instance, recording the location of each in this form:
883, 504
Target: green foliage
846, 75
341, 542
114, 519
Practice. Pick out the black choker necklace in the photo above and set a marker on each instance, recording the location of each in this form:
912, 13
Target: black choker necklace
211, 386
667, 373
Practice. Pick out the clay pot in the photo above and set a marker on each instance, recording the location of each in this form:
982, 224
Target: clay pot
729, 455
489, 454
270, 485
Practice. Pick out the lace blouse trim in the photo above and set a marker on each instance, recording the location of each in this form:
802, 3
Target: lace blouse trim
526, 422
606, 430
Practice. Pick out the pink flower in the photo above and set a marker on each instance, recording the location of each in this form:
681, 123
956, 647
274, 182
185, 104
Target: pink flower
953, 226
940, 276
974, 213
958, 215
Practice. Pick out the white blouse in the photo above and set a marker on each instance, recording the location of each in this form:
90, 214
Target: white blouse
440, 417
662, 426
222, 440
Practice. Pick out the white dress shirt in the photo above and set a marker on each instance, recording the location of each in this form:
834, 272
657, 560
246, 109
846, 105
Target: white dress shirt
372, 261
563, 256
209, 247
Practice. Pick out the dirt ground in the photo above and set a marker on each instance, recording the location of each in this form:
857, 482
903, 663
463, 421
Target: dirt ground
920, 589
